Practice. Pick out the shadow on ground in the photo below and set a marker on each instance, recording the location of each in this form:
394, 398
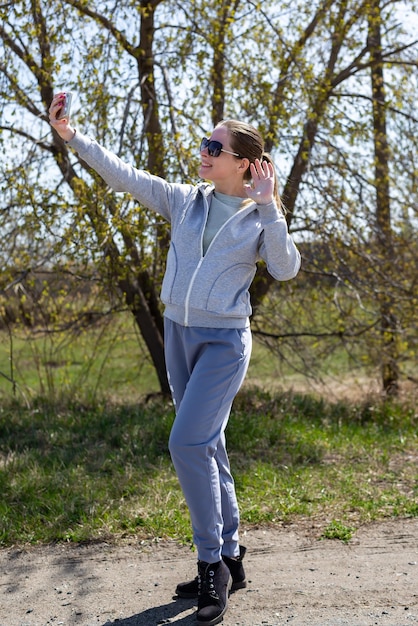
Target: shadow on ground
179, 611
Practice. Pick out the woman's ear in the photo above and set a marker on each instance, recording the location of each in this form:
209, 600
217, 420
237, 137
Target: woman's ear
244, 164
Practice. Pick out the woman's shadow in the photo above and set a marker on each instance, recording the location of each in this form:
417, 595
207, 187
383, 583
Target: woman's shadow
164, 614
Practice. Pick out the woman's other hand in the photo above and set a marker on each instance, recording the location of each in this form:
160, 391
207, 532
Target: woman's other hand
261, 190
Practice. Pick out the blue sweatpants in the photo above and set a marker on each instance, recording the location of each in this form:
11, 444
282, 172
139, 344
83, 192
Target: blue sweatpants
206, 367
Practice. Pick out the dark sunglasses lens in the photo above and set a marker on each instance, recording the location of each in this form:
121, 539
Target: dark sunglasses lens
214, 147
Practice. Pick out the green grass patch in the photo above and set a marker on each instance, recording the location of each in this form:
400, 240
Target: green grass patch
83, 472
108, 360
338, 530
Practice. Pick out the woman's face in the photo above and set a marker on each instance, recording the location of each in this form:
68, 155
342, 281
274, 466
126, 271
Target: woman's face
224, 170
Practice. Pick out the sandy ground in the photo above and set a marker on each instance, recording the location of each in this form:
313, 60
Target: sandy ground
293, 578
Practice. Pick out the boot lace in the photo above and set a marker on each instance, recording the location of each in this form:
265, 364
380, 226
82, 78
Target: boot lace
206, 581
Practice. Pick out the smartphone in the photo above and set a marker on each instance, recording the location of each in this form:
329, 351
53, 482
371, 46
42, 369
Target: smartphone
66, 107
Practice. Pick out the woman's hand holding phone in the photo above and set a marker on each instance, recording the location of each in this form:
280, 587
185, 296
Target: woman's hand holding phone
59, 115
66, 106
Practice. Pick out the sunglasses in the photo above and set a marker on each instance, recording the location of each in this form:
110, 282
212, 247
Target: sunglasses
215, 148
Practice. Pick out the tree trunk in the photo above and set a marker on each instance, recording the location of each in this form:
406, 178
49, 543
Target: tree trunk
390, 355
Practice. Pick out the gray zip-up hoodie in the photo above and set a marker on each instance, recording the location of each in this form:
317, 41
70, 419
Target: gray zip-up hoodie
208, 290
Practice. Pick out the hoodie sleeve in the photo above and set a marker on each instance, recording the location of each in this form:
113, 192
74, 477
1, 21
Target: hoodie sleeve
151, 191
277, 247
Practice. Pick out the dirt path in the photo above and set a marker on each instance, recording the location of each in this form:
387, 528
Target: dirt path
293, 579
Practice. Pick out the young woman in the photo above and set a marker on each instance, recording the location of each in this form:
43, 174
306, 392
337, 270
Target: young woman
218, 233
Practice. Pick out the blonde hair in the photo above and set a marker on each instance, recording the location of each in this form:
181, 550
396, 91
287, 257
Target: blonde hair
248, 143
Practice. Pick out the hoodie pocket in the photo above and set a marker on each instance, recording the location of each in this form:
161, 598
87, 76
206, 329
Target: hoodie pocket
170, 275
229, 293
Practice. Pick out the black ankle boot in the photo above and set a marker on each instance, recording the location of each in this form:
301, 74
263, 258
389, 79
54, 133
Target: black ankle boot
236, 568
189, 589
214, 584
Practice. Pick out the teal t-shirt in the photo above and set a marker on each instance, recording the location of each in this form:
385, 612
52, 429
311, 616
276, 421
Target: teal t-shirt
222, 207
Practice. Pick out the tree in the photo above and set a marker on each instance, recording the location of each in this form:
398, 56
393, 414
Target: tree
360, 276
390, 355
151, 78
